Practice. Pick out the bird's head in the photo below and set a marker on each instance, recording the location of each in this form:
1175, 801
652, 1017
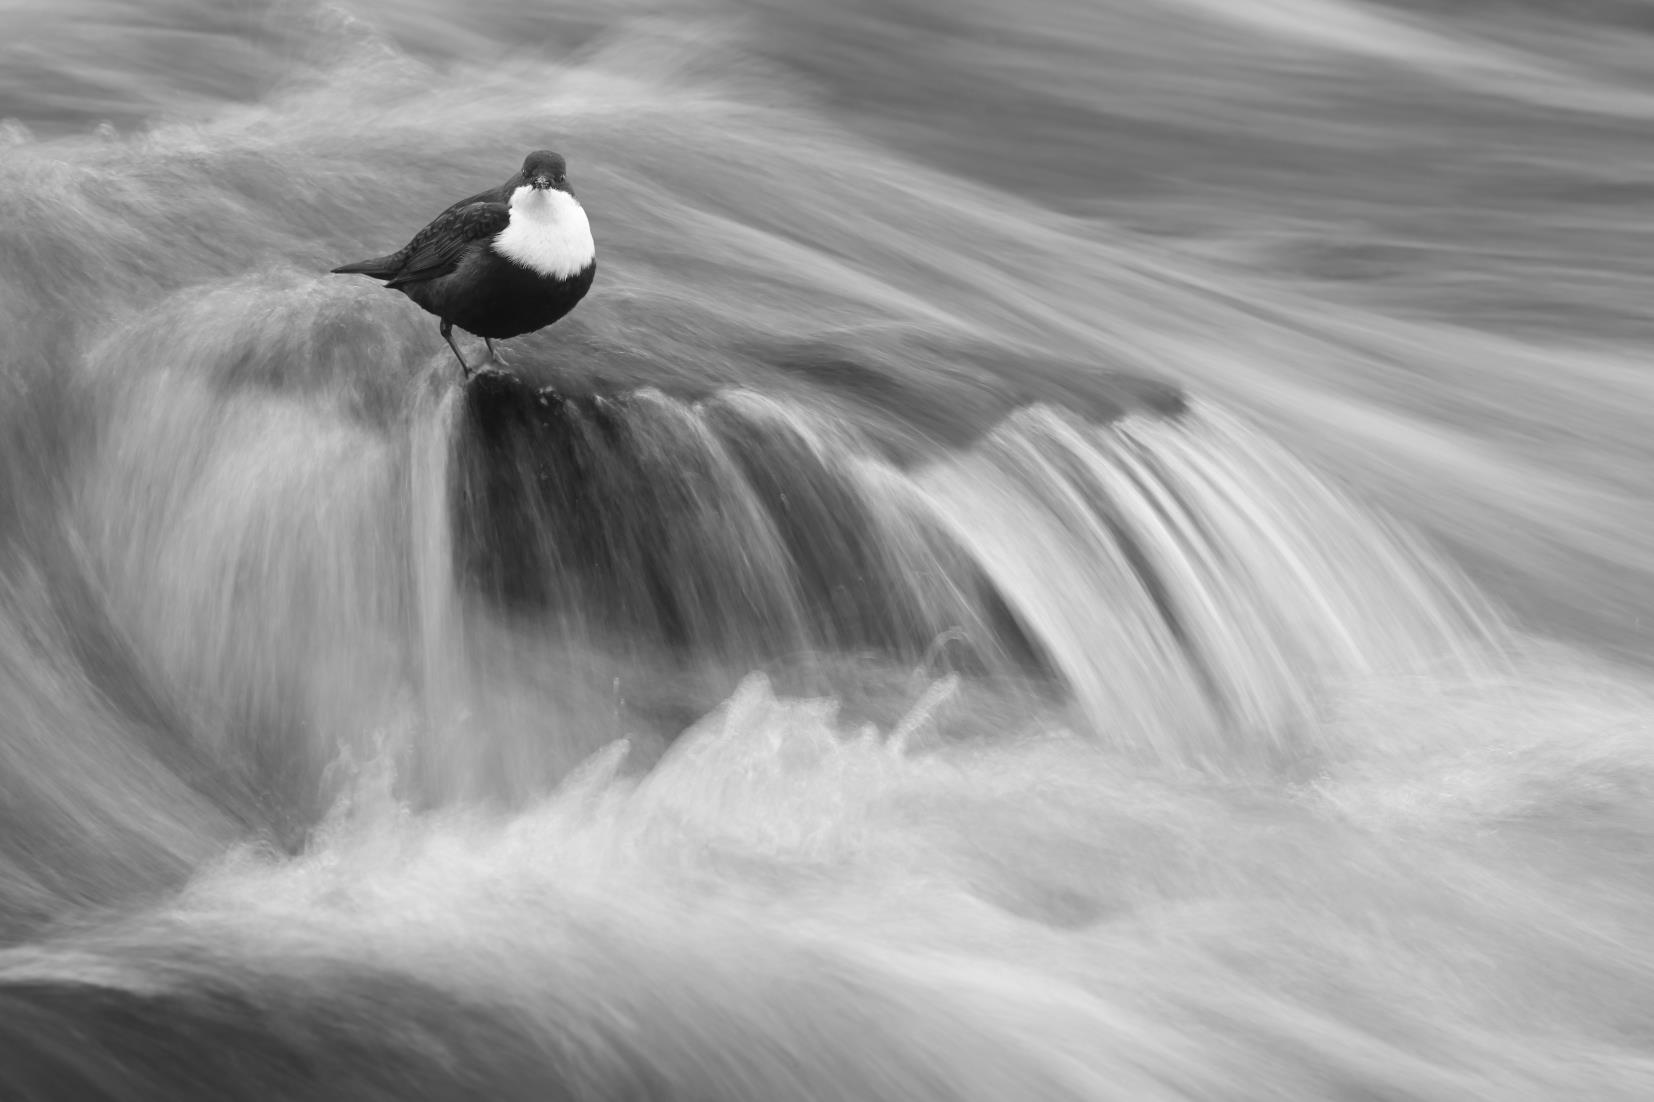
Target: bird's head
544, 170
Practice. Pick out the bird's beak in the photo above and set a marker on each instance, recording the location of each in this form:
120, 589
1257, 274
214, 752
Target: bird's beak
541, 182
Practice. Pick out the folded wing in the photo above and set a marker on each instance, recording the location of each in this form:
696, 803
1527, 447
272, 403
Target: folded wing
437, 249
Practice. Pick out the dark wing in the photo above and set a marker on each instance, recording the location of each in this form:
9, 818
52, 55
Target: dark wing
436, 250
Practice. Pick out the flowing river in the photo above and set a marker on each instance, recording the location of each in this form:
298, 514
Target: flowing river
1081, 549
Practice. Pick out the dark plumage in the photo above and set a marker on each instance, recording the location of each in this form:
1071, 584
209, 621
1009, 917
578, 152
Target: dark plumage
501, 263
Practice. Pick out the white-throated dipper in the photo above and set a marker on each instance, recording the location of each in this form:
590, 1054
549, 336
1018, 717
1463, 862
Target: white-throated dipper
502, 263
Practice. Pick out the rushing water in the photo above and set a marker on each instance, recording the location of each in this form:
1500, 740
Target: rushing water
1091, 549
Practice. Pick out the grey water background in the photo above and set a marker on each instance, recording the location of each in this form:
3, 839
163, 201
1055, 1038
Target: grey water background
1075, 550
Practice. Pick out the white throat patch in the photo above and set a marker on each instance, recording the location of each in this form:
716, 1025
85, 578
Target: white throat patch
548, 233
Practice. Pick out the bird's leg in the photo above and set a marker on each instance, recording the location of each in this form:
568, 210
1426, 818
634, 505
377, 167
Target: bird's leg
489, 341
448, 335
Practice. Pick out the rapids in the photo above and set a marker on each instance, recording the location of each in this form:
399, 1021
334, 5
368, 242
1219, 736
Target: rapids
1087, 549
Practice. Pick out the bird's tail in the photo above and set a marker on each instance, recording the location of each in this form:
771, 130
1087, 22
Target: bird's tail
380, 267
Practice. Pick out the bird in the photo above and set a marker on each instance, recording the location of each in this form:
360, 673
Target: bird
501, 263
